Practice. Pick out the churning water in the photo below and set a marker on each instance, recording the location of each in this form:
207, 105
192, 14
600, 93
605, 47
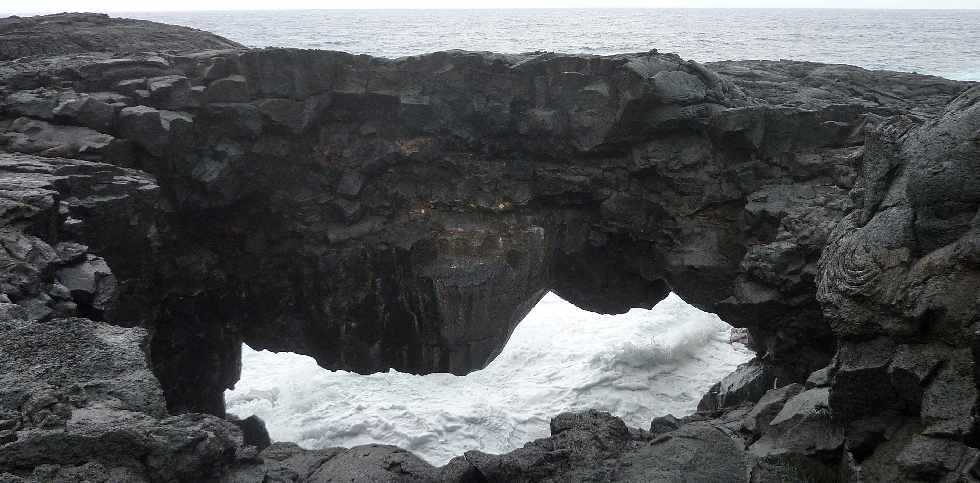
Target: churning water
637, 365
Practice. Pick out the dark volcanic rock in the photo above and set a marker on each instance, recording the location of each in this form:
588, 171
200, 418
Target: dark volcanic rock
664, 424
114, 209
78, 398
107, 368
375, 462
797, 83
281, 462
697, 452
253, 431
746, 385
82, 393
769, 405
803, 426
861, 378
408, 213
151, 129
70, 33
34, 136
447, 221
579, 449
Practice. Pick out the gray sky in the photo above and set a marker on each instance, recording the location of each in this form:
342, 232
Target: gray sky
48, 6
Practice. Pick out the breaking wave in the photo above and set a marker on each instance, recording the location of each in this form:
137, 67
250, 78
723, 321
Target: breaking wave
637, 365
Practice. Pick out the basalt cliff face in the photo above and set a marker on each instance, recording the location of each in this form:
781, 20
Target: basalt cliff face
160, 208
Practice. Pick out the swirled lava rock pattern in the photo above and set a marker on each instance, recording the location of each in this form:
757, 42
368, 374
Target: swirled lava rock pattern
377, 213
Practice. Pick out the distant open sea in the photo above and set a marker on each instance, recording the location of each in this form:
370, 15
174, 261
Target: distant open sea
938, 42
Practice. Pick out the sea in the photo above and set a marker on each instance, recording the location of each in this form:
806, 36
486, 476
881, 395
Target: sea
637, 365
937, 42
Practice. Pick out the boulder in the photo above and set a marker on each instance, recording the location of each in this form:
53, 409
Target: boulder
793, 467
39, 137
90, 283
820, 378
233, 88
105, 73
170, 92
696, 452
298, 461
88, 111
949, 401
131, 86
861, 384
70, 252
38, 103
233, 120
677, 87
29, 259
863, 436
216, 68
588, 434
746, 385
155, 450
769, 405
459, 470
294, 116
804, 427
152, 129
536, 461
78, 363
664, 424
577, 450
374, 462
932, 459
912, 369
253, 431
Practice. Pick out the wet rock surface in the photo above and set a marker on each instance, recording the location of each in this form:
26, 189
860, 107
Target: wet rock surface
160, 207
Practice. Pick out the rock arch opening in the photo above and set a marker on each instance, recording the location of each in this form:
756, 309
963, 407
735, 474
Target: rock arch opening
637, 365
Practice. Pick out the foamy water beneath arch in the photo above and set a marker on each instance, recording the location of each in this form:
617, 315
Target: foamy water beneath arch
637, 365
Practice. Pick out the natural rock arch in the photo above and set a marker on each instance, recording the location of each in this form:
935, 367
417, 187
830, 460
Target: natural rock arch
381, 214
407, 213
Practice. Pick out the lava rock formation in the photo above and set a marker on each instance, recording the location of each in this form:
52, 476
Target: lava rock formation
166, 198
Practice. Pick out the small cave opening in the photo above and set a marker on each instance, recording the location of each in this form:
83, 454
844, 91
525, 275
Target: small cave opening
636, 365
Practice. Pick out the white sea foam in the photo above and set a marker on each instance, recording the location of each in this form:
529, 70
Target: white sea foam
637, 366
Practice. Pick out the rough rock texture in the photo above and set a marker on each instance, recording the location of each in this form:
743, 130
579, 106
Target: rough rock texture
71, 33
78, 398
594, 446
408, 213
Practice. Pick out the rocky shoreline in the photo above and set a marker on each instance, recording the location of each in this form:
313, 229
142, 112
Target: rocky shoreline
166, 194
